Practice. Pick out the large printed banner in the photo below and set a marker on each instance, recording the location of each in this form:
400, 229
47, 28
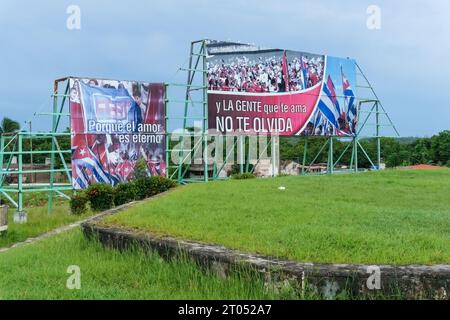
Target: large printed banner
279, 92
113, 125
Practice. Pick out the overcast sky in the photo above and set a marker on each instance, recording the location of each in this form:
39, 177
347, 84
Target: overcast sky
407, 60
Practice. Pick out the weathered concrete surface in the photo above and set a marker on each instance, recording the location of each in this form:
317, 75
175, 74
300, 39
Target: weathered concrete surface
327, 280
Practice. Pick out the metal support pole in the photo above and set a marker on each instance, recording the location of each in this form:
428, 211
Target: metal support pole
330, 157
189, 81
20, 216
355, 151
20, 176
205, 113
305, 150
166, 128
378, 135
275, 154
241, 153
52, 156
2, 155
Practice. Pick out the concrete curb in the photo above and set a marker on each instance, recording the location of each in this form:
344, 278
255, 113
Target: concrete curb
326, 280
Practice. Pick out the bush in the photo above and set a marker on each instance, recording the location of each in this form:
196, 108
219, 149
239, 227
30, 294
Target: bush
151, 186
124, 193
448, 163
160, 184
243, 176
236, 168
140, 170
78, 203
101, 196
142, 186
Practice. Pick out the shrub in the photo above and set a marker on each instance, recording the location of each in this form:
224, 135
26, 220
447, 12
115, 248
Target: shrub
101, 196
140, 169
151, 186
142, 186
160, 184
236, 168
124, 193
78, 203
448, 163
243, 176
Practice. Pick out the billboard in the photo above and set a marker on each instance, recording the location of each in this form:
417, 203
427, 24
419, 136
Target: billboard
254, 90
113, 125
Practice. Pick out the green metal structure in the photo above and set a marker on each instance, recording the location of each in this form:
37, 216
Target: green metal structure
12, 149
191, 145
195, 109
373, 122
195, 106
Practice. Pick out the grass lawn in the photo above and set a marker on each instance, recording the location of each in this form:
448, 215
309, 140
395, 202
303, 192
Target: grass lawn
39, 271
39, 221
390, 217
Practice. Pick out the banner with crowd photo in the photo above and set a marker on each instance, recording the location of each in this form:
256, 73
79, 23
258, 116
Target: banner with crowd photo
254, 90
114, 124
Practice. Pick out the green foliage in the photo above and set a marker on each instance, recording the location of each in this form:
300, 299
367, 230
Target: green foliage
78, 203
236, 168
8, 125
37, 271
101, 196
243, 176
151, 186
141, 187
160, 184
394, 152
124, 193
140, 169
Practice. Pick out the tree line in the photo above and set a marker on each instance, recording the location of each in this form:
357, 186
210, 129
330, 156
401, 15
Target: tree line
395, 152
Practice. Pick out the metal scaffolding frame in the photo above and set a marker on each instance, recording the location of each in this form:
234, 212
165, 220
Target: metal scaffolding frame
195, 98
12, 147
369, 107
197, 82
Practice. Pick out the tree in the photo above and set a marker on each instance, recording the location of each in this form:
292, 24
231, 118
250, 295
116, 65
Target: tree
8, 125
440, 147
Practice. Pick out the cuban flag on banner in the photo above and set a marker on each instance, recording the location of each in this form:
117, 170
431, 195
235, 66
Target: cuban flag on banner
305, 73
332, 89
349, 96
86, 167
328, 107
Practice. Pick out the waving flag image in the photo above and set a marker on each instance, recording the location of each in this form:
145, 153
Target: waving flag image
87, 167
349, 97
305, 73
328, 107
332, 90
284, 68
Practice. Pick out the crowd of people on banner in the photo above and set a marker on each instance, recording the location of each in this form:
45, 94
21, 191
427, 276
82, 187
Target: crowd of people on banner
320, 126
265, 74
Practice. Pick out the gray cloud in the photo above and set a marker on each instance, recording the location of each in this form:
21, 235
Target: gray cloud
406, 60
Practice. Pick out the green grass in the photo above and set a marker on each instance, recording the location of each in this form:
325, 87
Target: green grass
39, 271
39, 222
391, 217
